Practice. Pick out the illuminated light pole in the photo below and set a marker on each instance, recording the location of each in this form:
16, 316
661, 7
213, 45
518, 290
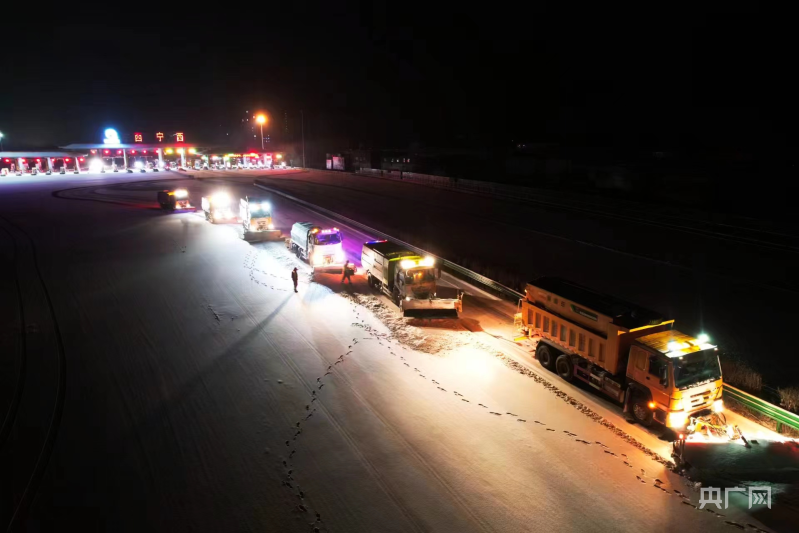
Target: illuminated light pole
1, 141
261, 119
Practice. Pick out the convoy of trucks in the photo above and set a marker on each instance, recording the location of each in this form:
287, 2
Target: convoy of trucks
408, 278
321, 248
627, 352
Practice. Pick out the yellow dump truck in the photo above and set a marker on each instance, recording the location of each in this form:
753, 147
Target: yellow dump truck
629, 353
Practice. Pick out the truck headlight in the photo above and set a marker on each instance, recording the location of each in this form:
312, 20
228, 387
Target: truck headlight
678, 419
718, 406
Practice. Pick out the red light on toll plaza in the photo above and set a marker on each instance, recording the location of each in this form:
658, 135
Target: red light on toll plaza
157, 150
66, 160
106, 151
119, 151
8, 160
94, 151
38, 160
144, 151
80, 159
133, 151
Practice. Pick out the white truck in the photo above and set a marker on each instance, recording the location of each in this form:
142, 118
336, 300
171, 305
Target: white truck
408, 278
256, 219
321, 248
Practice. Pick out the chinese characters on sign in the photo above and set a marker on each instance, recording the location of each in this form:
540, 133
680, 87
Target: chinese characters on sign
179, 137
159, 136
137, 137
712, 496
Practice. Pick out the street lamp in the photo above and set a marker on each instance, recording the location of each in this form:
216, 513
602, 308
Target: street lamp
261, 119
1, 141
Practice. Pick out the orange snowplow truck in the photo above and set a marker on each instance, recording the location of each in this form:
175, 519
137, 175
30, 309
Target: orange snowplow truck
629, 353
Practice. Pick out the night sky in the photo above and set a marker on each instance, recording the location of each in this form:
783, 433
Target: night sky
411, 73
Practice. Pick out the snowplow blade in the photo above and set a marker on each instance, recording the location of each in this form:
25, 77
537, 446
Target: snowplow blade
739, 461
432, 308
262, 236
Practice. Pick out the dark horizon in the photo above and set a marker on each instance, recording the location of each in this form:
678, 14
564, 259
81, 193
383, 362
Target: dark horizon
443, 79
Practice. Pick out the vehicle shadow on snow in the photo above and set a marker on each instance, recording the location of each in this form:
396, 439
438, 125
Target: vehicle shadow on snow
333, 282
203, 380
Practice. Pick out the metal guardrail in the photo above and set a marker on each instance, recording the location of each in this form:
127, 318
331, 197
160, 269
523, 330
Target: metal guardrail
778, 414
479, 278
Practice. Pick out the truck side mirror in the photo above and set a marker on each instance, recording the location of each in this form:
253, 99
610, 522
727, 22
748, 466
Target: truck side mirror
664, 376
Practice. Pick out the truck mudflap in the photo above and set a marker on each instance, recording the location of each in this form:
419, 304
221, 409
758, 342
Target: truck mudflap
445, 306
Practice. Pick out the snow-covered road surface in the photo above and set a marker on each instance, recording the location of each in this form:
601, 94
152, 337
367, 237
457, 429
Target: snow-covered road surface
203, 394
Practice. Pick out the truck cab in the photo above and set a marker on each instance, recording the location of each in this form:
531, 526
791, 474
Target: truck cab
171, 200
682, 376
255, 214
218, 208
322, 248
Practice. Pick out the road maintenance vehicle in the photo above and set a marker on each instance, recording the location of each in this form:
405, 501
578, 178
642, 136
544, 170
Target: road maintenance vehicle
256, 218
320, 247
175, 200
408, 278
625, 351
218, 208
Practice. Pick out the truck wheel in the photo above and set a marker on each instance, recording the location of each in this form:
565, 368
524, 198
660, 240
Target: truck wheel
544, 355
641, 411
564, 367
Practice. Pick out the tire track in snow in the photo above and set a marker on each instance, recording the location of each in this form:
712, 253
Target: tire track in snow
287, 465
43, 458
641, 478
399, 437
11, 414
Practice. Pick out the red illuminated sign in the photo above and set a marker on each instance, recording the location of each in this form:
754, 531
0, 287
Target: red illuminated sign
137, 137
179, 137
159, 136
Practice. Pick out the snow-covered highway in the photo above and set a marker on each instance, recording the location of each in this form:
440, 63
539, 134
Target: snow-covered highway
161, 375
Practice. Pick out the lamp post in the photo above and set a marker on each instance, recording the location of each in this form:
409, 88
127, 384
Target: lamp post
260, 119
1, 141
